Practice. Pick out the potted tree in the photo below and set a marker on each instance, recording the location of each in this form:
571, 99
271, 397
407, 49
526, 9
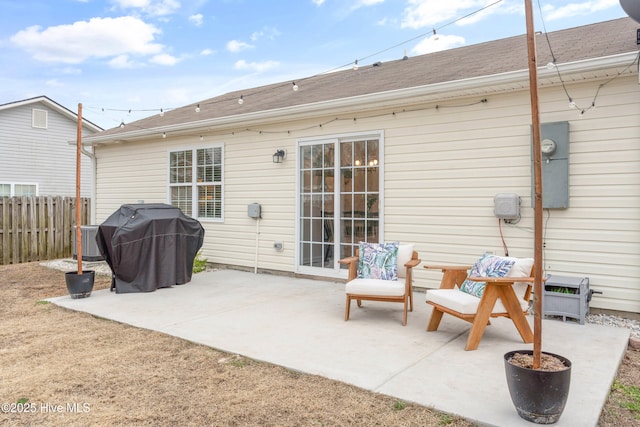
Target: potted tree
79, 283
538, 382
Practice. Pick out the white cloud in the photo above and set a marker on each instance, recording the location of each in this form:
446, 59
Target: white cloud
207, 52
96, 38
196, 19
364, 3
238, 46
428, 13
575, 9
123, 61
255, 66
150, 7
54, 83
437, 43
69, 70
357, 4
269, 32
317, 2
164, 59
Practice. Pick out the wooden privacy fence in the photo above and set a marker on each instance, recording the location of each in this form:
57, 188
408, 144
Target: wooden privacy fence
38, 228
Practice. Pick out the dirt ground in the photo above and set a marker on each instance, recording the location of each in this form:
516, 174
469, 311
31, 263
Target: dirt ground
60, 367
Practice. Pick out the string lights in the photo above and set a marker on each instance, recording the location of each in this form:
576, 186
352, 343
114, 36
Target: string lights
355, 65
327, 122
295, 86
551, 65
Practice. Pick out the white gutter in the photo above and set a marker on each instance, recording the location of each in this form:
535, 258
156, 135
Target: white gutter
393, 97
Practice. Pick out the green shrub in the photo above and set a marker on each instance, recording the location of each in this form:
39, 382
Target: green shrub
199, 263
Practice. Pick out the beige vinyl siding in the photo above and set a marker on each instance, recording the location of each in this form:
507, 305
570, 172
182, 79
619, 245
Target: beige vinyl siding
442, 168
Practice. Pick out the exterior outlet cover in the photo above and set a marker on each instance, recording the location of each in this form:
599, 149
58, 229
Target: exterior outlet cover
506, 206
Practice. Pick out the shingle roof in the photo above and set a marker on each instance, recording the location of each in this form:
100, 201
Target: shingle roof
485, 59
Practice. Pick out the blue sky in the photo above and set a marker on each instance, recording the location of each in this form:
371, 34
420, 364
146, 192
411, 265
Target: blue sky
141, 55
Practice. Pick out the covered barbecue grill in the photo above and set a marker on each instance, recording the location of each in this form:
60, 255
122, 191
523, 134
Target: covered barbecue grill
149, 246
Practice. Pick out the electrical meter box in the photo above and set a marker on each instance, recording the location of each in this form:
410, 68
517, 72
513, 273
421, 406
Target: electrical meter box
254, 210
555, 166
506, 206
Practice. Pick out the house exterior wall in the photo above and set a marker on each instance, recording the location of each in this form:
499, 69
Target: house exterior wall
442, 168
42, 156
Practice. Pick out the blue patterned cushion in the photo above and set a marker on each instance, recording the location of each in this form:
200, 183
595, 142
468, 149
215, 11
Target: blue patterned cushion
487, 266
378, 261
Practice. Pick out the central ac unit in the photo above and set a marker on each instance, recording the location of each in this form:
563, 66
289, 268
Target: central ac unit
90, 251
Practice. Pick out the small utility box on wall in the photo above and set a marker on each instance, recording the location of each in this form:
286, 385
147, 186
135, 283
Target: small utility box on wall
506, 206
555, 166
254, 210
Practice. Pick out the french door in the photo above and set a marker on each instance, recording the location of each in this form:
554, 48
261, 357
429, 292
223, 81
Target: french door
339, 199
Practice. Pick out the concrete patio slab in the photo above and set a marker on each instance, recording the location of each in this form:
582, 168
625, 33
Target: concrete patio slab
299, 324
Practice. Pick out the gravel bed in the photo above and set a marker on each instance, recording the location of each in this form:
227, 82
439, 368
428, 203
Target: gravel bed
620, 322
69, 264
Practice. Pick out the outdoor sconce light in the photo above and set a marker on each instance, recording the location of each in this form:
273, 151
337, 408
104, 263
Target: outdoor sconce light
278, 156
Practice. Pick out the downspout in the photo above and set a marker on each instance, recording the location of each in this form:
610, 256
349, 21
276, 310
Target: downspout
94, 175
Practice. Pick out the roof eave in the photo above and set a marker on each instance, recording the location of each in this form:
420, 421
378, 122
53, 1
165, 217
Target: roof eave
411, 95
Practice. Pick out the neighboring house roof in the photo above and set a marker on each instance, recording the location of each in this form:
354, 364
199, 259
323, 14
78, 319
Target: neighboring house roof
471, 70
54, 106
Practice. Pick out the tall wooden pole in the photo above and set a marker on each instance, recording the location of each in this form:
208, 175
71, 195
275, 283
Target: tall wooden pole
78, 207
537, 174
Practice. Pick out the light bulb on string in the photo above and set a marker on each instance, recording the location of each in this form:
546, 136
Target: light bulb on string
164, 134
241, 100
198, 108
572, 104
161, 112
355, 65
295, 87
121, 124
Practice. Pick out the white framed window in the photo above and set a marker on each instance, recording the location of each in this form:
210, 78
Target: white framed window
18, 189
39, 118
196, 182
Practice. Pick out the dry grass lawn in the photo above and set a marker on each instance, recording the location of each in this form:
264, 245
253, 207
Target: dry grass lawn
60, 367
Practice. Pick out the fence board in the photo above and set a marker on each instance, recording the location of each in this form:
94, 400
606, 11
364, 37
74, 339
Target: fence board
5, 241
38, 228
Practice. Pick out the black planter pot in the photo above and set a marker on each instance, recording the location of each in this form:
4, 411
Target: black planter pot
539, 396
79, 285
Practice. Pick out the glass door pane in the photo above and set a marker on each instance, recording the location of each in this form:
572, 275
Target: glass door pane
359, 194
317, 163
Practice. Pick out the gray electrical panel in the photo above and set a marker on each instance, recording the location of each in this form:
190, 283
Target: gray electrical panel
254, 210
555, 166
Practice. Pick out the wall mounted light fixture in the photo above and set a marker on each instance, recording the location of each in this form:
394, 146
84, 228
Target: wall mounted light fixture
279, 155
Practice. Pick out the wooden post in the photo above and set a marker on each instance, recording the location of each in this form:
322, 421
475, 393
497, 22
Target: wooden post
537, 173
78, 207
